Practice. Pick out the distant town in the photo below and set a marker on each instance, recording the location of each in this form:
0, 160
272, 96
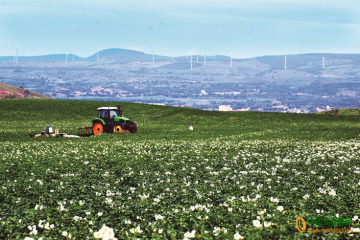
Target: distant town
304, 83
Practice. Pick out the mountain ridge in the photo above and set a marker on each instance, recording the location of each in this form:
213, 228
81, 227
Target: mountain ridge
121, 55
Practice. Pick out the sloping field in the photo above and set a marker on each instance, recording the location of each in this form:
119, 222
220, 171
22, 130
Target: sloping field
8, 91
236, 175
344, 111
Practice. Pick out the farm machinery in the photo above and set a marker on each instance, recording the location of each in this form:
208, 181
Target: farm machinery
109, 120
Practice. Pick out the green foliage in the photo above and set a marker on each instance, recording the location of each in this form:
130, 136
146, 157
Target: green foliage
166, 181
342, 111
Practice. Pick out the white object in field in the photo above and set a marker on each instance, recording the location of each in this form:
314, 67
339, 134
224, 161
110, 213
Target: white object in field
50, 130
56, 131
224, 108
191, 128
71, 136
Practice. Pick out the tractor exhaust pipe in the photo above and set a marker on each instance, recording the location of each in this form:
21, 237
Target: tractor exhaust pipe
119, 110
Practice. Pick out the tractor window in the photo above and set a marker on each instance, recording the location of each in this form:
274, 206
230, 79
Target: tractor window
113, 114
103, 114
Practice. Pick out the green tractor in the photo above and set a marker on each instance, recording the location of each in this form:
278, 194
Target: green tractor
110, 120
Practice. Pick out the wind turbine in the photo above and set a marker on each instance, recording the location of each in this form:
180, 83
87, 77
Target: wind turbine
205, 58
17, 55
191, 62
285, 63
323, 62
172, 52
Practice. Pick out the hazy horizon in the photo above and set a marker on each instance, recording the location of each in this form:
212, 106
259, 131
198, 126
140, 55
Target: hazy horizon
242, 28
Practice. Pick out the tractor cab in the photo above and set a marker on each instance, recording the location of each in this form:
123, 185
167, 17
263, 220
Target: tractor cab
107, 113
110, 120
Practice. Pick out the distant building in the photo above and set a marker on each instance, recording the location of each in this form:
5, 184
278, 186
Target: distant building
203, 92
224, 108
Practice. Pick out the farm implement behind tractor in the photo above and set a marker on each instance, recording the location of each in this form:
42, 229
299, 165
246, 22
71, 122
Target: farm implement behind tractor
109, 120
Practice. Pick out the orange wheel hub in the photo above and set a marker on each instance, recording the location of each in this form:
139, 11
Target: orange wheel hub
98, 128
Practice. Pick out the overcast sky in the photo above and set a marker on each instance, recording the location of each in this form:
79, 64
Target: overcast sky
243, 28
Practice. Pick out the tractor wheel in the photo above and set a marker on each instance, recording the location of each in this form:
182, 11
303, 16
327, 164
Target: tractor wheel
98, 128
131, 127
119, 128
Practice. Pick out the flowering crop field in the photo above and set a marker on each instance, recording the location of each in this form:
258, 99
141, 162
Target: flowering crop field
236, 176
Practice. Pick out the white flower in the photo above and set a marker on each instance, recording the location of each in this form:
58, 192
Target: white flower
136, 230
47, 226
332, 192
33, 230
65, 233
100, 214
319, 211
307, 196
105, 233
143, 197
280, 208
230, 209
257, 223
28, 238
355, 218
159, 217
237, 236
274, 200
189, 234
267, 224
128, 222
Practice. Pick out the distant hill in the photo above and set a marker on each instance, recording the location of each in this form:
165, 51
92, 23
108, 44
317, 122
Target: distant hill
107, 55
43, 58
8, 91
123, 56
307, 62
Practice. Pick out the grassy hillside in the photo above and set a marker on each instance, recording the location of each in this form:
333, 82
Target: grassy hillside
238, 174
21, 117
343, 111
8, 91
